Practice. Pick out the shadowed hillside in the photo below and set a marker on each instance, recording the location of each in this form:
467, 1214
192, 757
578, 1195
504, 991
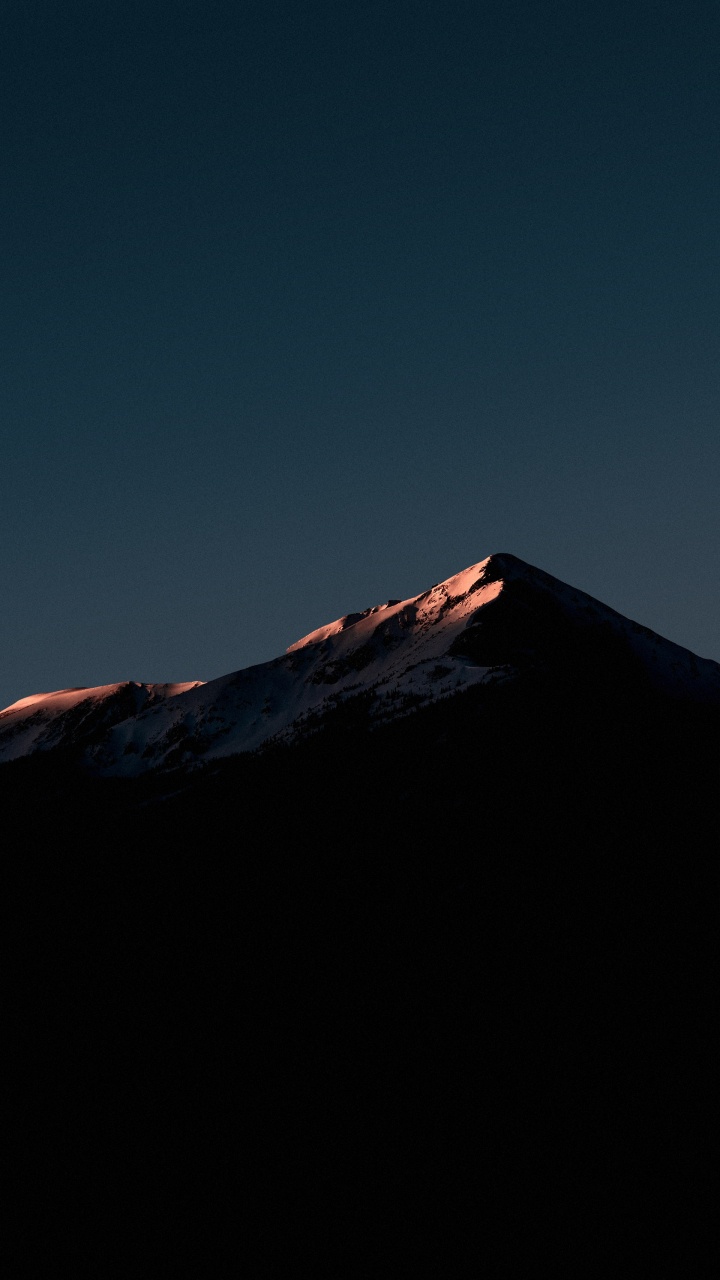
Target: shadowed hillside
388, 983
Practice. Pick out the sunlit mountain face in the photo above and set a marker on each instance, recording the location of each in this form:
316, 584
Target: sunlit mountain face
418, 917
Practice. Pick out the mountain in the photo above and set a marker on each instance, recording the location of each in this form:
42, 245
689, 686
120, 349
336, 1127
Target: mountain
492, 622
396, 952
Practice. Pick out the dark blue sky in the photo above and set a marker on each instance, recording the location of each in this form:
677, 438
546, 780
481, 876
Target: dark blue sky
305, 305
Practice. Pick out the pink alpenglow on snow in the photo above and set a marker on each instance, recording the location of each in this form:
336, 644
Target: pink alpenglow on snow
428, 608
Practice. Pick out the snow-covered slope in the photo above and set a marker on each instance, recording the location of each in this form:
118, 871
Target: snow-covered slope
75, 717
488, 623
397, 654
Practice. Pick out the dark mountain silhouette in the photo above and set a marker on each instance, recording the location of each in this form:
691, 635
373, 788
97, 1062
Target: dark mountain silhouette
425, 979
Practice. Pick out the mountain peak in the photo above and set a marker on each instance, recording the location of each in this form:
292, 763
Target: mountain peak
498, 618
434, 601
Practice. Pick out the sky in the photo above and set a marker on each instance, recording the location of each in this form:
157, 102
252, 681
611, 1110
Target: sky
308, 305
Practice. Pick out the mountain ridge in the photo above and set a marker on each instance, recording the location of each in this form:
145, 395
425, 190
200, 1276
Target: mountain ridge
486, 624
